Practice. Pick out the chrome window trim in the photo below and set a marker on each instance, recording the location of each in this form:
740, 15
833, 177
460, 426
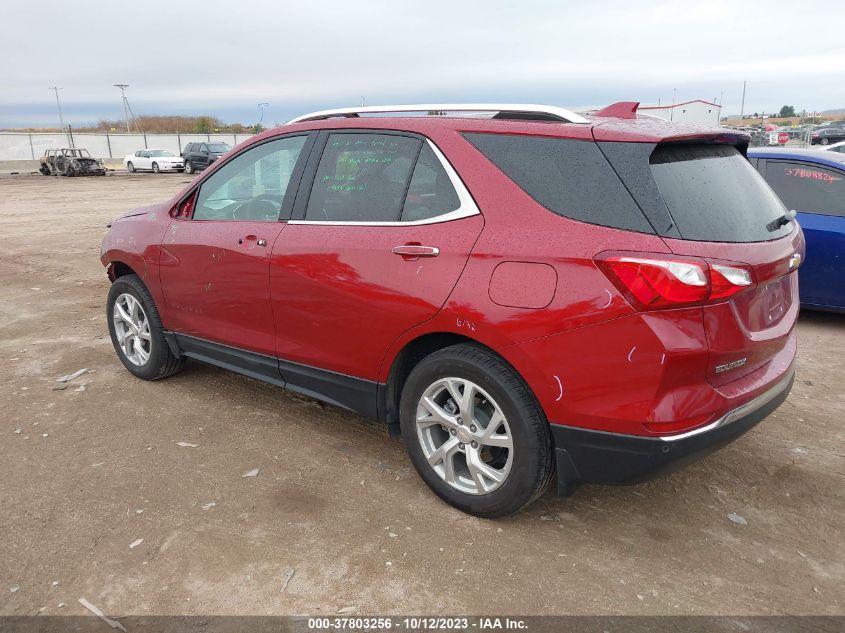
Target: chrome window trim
565, 116
466, 209
738, 413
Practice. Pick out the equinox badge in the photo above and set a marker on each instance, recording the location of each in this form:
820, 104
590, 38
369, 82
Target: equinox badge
733, 365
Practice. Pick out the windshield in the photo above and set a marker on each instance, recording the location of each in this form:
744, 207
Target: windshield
159, 152
218, 148
715, 195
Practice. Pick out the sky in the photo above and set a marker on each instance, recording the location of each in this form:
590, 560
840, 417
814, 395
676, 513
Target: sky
223, 58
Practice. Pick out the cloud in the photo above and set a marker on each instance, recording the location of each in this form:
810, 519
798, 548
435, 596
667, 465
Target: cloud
223, 58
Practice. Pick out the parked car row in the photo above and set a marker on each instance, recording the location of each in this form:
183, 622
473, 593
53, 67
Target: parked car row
526, 297
195, 157
827, 135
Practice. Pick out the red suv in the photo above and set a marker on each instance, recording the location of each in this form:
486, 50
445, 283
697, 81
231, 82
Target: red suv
523, 294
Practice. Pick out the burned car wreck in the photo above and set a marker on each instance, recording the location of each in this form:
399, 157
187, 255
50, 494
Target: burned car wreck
71, 162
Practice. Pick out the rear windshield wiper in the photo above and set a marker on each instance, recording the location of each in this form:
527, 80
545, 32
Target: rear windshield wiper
783, 220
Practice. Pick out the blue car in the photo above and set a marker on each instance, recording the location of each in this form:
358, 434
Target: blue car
812, 182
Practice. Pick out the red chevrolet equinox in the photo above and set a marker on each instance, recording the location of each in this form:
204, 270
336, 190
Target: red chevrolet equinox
523, 293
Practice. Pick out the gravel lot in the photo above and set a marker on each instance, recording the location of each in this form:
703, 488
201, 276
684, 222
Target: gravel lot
336, 518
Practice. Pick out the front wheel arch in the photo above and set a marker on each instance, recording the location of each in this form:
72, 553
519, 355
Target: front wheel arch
118, 269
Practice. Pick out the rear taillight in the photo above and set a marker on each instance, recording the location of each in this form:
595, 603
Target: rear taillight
658, 281
727, 280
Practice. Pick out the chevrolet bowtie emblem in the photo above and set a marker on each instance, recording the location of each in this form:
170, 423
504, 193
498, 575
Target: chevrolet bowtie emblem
794, 261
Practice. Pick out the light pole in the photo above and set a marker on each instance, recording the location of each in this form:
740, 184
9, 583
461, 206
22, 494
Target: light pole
261, 107
123, 88
59, 106
672, 111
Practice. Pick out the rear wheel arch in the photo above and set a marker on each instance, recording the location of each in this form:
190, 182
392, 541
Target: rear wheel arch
409, 357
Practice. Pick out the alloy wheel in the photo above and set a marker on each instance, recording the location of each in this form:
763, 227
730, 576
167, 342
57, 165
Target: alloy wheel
132, 329
464, 436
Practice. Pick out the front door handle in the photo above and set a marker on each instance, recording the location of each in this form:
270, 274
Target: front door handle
251, 240
414, 251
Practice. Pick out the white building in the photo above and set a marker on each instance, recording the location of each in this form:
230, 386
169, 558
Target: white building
697, 112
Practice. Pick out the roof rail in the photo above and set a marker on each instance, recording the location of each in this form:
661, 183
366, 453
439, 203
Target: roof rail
521, 111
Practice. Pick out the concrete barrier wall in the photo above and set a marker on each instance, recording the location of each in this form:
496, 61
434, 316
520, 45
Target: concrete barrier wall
31, 166
26, 146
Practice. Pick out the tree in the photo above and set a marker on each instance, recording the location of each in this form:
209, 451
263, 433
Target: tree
203, 125
787, 110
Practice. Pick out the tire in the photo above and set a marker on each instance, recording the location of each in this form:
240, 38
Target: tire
157, 361
824, 141
525, 468
156, 170
130, 167
45, 171
189, 168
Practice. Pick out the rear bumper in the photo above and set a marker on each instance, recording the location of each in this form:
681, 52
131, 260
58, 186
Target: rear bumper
598, 457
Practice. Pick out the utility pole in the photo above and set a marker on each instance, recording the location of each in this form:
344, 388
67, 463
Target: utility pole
261, 107
59, 106
123, 88
742, 107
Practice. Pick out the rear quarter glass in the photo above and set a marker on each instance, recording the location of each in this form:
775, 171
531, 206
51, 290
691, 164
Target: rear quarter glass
571, 178
713, 194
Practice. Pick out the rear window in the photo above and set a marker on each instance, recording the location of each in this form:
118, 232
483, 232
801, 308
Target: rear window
715, 195
808, 188
570, 178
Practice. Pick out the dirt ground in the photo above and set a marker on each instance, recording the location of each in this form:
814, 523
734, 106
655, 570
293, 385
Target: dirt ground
337, 519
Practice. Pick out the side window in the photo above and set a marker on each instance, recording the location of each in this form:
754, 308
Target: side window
362, 178
808, 188
431, 192
204, 148
251, 186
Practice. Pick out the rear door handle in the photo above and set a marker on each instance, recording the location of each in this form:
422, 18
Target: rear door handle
414, 251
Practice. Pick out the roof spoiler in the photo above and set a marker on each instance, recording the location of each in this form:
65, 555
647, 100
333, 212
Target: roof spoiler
620, 110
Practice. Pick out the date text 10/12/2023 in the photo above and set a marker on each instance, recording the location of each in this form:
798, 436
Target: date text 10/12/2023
416, 624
